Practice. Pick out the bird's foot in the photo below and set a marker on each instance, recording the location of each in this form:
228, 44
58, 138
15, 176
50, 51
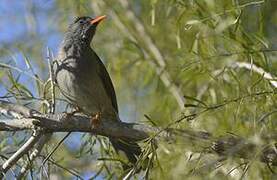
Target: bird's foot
67, 116
95, 120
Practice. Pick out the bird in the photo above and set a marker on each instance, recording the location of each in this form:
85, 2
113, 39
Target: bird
85, 82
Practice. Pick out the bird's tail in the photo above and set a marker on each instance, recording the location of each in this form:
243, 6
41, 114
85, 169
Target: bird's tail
125, 149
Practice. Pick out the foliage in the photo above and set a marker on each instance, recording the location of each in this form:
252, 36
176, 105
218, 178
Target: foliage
200, 42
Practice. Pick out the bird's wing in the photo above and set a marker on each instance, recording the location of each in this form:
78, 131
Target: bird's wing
107, 82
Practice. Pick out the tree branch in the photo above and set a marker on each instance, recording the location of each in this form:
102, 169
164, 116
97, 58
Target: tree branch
20, 152
78, 123
259, 70
224, 146
36, 151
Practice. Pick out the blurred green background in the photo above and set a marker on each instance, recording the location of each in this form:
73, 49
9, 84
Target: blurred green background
167, 58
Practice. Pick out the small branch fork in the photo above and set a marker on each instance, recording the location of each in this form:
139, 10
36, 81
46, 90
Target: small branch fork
42, 124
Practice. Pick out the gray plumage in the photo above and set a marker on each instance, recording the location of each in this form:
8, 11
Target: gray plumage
84, 80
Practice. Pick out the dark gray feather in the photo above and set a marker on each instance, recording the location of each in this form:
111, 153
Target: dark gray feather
107, 82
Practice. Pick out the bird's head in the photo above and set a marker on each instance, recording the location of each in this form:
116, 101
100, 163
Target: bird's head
83, 28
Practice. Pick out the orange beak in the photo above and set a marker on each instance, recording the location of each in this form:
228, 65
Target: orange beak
98, 19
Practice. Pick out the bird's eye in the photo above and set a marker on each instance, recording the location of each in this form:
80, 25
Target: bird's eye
81, 21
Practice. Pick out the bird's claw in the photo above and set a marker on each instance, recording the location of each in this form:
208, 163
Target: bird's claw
67, 116
95, 120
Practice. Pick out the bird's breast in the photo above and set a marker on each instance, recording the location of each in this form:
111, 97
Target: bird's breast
80, 83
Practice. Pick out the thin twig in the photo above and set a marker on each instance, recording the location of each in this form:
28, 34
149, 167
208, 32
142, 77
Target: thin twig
70, 171
33, 155
46, 137
151, 53
259, 70
51, 74
21, 151
2, 65
55, 148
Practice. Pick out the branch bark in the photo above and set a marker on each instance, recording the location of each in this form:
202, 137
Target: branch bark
224, 146
78, 123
